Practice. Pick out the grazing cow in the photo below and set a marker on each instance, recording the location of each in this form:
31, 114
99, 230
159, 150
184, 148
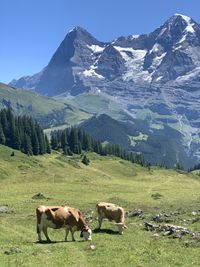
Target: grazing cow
111, 212
61, 217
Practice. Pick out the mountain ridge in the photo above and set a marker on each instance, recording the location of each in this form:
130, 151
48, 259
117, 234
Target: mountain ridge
153, 77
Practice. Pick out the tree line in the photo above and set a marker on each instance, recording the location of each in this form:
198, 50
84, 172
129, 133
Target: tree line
73, 140
22, 133
25, 134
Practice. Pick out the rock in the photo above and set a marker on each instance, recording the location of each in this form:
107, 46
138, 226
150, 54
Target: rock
4, 209
134, 213
92, 247
38, 196
158, 218
150, 226
168, 232
155, 235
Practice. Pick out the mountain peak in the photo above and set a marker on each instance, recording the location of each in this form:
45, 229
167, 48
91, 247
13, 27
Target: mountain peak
77, 29
183, 20
184, 17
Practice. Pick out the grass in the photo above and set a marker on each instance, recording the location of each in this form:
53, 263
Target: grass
47, 111
96, 104
64, 180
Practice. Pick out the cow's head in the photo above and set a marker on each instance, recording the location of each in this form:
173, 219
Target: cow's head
86, 233
120, 227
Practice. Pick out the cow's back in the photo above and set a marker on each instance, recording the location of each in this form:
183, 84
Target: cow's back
110, 211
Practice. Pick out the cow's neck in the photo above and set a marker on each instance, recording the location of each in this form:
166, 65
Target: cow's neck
81, 224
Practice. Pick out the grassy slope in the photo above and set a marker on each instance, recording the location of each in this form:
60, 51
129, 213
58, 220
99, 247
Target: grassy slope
96, 104
40, 104
27, 102
67, 181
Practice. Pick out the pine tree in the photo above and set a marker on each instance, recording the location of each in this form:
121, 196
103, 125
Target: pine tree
2, 136
47, 145
35, 144
74, 144
63, 139
54, 141
41, 140
27, 145
86, 142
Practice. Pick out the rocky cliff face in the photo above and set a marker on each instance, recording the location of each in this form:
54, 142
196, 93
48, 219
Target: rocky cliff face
154, 77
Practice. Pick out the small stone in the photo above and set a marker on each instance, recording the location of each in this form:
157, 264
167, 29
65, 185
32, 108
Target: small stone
155, 235
92, 247
194, 213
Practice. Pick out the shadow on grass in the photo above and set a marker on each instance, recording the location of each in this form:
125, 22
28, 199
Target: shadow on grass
105, 231
44, 242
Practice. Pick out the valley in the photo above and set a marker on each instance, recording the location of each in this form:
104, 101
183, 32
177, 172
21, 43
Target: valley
27, 182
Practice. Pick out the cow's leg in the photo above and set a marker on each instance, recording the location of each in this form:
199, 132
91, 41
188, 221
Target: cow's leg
66, 236
100, 219
46, 234
72, 233
39, 229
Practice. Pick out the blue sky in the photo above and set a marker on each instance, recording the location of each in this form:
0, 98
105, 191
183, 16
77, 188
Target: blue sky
31, 30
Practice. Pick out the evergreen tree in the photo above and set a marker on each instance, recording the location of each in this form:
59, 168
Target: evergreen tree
86, 142
2, 136
74, 144
48, 148
35, 144
63, 139
54, 141
27, 145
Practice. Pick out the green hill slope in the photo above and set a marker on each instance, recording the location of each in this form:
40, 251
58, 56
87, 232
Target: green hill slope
66, 181
159, 146
47, 111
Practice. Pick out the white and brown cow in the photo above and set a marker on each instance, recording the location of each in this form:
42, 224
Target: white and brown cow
61, 217
111, 212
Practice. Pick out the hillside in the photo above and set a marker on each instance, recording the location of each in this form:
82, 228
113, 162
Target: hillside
158, 145
64, 180
47, 111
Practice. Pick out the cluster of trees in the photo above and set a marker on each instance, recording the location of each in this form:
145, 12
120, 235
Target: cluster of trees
26, 135
74, 140
22, 133
196, 167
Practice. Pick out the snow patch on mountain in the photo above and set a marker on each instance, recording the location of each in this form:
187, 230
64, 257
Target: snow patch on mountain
189, 75
135, 36
96, 48
157, 61
188, 20
91, 72
134, 59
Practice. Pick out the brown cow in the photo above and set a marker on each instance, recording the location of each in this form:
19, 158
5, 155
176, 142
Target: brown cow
111, 212
61, 217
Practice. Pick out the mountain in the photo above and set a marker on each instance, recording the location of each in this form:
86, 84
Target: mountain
159, 146
82, 63
152, 77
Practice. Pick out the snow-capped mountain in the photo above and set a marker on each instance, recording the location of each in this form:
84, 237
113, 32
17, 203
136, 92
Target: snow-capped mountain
81, 63
155, 77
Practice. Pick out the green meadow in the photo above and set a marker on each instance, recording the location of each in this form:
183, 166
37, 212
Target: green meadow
66, 181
